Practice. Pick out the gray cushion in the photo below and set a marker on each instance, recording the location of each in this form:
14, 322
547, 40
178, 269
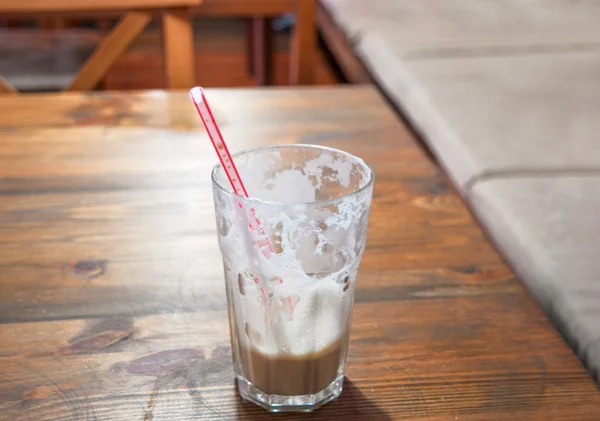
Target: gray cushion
487, 115
548, 227
434, 24
506, 94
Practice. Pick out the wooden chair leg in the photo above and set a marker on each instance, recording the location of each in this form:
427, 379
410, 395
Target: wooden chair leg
304, 43
178, 43
111, 48
262, 50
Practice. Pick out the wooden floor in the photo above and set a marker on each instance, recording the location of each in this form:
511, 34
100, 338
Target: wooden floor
39, 60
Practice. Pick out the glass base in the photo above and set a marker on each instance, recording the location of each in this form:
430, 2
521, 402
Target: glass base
297, 403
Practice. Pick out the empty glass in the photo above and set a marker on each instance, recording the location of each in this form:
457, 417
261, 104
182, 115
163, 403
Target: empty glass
291, 252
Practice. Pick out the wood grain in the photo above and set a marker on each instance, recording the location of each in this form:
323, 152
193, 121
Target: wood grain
112, 301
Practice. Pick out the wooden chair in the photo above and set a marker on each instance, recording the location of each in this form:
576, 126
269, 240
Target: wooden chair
260, 51
136, 15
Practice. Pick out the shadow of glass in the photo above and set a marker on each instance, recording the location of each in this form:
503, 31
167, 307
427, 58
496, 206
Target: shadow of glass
351, 405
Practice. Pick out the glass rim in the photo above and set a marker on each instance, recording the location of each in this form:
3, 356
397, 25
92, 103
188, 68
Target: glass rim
255, 149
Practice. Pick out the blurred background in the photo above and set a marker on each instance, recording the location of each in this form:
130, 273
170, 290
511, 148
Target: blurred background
44, 54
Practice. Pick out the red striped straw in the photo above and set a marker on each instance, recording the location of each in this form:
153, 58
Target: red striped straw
197, 95
199, 99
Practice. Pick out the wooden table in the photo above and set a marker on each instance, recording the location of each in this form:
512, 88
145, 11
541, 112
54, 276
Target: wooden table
112, 302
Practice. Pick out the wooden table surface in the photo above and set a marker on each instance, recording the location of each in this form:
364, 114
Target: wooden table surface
112, 302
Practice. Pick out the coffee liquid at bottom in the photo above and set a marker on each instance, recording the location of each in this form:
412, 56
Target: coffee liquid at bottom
289, 374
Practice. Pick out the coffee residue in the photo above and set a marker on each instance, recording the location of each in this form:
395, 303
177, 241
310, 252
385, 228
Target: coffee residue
288, 374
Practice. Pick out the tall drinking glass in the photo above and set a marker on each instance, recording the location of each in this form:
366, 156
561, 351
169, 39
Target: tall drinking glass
291, 252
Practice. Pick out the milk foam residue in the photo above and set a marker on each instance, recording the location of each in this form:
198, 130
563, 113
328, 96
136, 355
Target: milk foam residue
295, 299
